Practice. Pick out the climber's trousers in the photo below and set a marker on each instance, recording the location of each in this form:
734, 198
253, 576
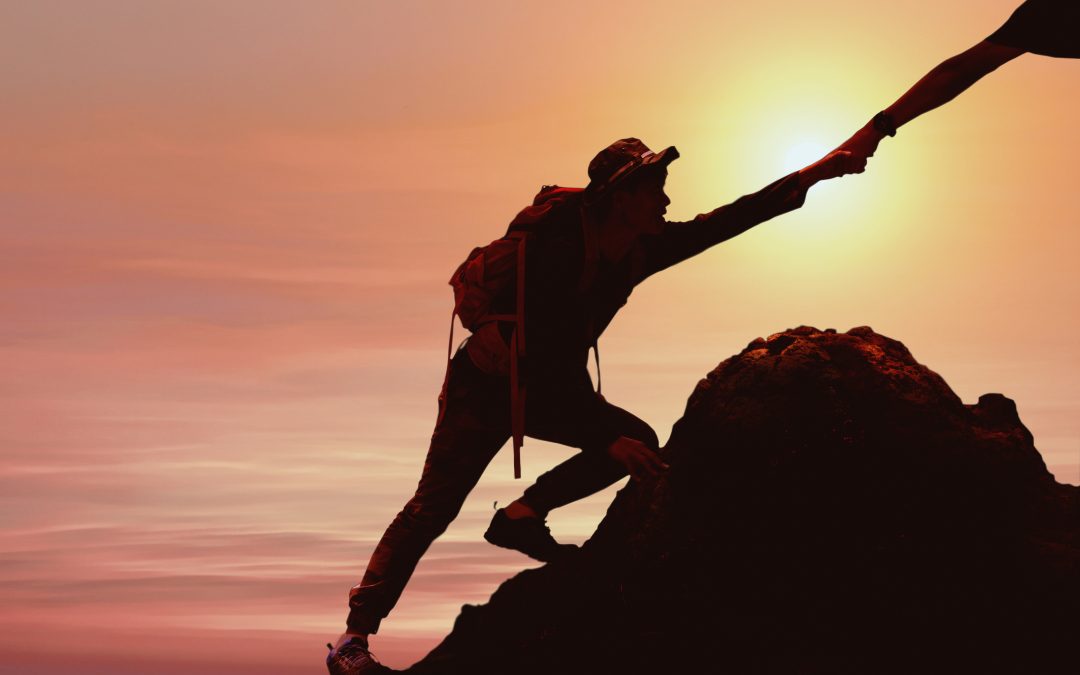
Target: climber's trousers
473, 427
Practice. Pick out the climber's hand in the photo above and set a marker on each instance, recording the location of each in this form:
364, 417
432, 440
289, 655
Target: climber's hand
640, 461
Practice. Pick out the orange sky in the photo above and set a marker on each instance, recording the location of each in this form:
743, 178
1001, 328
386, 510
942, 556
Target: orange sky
228, 226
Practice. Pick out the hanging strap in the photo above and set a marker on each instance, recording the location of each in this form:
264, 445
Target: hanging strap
599, 382
521, 292
517, 350
517, 407
446, 377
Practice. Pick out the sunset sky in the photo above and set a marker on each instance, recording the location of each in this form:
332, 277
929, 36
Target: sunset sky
227, 228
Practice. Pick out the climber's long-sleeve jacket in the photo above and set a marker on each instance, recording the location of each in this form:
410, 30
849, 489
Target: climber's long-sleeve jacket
572, 293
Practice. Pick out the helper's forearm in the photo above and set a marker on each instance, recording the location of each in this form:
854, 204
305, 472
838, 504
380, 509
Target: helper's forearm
941, 85
949, 79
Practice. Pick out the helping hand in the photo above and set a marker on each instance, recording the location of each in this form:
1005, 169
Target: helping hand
640, 461
840, 163
833, 165
863, 143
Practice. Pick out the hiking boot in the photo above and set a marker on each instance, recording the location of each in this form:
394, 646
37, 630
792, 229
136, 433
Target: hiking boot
350, 656
530, 536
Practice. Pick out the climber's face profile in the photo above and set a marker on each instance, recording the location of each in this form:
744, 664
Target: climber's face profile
640, 206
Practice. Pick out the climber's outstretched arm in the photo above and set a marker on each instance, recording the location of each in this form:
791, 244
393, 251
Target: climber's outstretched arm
682, 240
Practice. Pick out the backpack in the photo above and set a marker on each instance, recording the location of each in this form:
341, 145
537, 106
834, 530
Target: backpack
491, 275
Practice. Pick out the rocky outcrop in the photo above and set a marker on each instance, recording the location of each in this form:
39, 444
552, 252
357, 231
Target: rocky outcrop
831, 507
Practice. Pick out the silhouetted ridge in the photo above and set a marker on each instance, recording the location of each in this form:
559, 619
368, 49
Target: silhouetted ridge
832, 507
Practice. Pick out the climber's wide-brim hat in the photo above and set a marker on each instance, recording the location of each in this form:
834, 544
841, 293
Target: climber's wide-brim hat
615, 163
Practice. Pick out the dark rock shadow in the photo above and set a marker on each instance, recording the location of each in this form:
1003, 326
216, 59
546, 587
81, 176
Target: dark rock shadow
832, 507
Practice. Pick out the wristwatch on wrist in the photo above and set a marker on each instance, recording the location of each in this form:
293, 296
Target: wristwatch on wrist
884, 124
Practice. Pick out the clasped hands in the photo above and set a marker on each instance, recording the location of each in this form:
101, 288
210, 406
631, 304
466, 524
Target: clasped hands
849, 157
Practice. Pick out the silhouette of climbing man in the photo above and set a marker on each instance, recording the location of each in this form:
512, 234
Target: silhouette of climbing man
1048, 27
568, 264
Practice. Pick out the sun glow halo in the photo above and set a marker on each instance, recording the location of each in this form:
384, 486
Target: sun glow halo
802, 153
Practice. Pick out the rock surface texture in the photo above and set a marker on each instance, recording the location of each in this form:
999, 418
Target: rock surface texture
832, 507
